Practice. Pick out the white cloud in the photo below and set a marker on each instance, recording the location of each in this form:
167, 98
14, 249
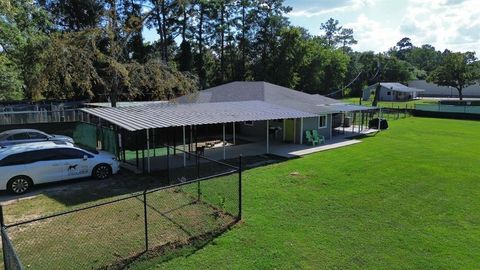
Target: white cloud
373, 35
341, 6
453, 24
380, 24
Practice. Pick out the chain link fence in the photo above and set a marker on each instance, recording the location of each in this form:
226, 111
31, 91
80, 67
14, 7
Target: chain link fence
155, 222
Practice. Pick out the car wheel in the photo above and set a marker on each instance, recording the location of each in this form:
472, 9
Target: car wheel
19, 184
102, 171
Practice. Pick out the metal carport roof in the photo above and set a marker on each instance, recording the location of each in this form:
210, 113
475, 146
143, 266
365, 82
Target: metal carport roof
395, 87
351, 107
174, 115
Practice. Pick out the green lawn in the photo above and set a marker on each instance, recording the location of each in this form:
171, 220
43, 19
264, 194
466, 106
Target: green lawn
407, 198
390, 104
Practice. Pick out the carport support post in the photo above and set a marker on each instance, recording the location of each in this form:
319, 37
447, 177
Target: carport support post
379, 118
301, 130
268, 137
168, 163
184, 148
234, 141
354, 119
148, 150
224, 142
331, 126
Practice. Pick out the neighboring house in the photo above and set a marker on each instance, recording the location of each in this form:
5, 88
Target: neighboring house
390, 91
433, 90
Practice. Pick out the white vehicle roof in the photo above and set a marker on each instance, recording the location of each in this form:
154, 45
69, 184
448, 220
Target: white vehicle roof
18, 131
24, 147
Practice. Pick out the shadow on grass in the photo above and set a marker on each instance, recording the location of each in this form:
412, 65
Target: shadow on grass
172, 250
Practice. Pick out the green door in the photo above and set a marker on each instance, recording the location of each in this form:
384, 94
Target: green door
289, 130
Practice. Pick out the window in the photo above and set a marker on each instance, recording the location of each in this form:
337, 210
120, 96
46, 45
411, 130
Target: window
19, 136
16, 159
389, 93
69, 153
322, 121
248, 123
44, 155
88, 149
37, 136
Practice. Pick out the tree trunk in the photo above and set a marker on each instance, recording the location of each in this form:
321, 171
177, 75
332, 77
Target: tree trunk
201, 68
164, 31
460, 93
184, 23
243, 40
377, 95
159, 28
222, 43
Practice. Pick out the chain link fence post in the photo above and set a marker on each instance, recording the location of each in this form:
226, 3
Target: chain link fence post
145, 218
198, 176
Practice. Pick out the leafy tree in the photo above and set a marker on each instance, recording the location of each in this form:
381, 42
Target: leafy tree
269, 21
403, 48
332, 30
290, 57
458, 70
346, 38
23, 35
425, 57
76, 15
395, 70
10, 80
324, 69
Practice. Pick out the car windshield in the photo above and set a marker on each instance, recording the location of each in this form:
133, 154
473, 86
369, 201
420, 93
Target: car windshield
89, 149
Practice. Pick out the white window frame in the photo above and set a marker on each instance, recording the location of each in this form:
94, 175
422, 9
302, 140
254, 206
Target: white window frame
325, 122
248, 123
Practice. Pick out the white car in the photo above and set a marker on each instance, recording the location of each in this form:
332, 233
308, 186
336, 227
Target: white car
25, 165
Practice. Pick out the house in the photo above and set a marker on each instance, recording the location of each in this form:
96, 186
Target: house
390, 91
258, 114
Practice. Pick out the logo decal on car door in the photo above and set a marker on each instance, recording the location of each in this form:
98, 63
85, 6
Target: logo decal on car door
76, 170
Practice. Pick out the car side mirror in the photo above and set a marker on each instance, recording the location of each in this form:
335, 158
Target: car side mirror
85, 157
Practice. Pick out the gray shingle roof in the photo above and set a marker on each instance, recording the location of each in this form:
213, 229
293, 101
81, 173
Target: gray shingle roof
263, 91
396, 87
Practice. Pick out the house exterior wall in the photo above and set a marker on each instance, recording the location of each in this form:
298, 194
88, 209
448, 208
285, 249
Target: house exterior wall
311, 124
259, 129
395, 95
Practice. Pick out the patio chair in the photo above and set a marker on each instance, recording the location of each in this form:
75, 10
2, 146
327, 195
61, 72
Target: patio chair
310, 139
319, 139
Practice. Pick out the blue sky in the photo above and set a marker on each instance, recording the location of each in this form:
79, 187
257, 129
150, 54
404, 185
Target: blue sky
379, 24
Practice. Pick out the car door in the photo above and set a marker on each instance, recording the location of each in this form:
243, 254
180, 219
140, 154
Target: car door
37, 137
75, 165
42, 166
18, 138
